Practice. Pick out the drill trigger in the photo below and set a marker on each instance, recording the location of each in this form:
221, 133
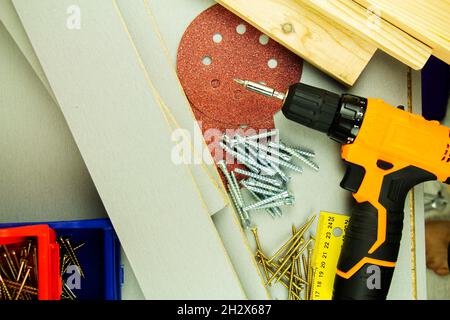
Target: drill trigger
353, 178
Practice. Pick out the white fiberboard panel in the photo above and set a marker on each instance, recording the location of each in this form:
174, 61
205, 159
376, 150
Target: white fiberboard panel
126, 145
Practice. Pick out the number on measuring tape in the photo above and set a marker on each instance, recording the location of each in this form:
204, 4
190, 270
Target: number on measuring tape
326, 253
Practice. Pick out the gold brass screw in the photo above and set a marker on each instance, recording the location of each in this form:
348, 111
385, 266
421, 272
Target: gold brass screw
68, 293
23, 263
5, 288
297, 235
10, 265
9, 261
68, 247
35, 263
295, 246
23, 282
28, 249
259, 250
295, 257
15, 259
79, 246
287, 264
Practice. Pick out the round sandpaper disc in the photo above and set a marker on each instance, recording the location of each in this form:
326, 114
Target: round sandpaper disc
217, 47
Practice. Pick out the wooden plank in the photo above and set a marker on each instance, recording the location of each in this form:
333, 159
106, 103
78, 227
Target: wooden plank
333, 49
381, 33
426, 20
164, 227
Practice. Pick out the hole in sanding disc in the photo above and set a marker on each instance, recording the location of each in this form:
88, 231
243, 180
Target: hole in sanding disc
241, 29
263, 39
272, 63
217, 38
207, 61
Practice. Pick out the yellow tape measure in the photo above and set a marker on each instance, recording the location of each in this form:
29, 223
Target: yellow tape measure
329, 239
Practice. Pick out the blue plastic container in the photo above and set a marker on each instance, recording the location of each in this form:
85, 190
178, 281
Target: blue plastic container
99, 257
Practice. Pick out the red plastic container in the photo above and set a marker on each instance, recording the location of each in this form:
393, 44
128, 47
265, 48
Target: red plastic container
50, 283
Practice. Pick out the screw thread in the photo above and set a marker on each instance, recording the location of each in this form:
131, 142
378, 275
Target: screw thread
267, 149
267, 200
244, 222
259, 177
237, 189
261, 185
305, 160
263, 135
283, 163
305, 153
260, 190
271, 211
280, 172
275, 204
244, 159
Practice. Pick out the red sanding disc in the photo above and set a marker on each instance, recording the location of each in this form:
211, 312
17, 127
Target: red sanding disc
217, 47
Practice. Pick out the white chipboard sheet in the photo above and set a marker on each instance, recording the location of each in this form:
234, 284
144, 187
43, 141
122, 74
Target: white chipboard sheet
108, 106
206, 176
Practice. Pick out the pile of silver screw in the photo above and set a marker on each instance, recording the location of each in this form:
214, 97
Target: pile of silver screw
266, 179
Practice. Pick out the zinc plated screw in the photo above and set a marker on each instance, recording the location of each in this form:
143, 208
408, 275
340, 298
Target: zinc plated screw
234, 193
294, 153
255, 154
277, 197
252, 182
238, 193
259, 177
263, 135
245, 160
277, 211
303, 152
286, 202
283, 163
245, 222
259, 190
258, 198
265, 148
250, 156
280, 172
223, 167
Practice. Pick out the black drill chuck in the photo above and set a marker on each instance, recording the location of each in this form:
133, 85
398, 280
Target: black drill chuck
312, 107
338, 116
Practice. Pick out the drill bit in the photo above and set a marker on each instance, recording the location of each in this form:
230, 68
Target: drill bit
261, 89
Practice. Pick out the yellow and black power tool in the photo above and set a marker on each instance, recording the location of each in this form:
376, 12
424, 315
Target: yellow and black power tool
388, 151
